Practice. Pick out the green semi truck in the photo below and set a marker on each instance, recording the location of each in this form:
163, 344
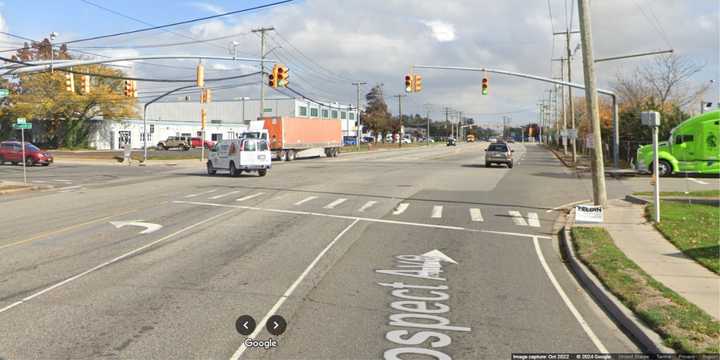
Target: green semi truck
693, 147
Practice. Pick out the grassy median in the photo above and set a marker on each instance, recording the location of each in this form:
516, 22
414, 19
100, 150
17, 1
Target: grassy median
701, 194
682, 325
692, 228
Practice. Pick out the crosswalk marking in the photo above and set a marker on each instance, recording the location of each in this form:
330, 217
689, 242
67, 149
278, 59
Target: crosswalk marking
309, 198
401, 208
367, 206
517, 218
202, 193
476, 215
437, 211
335, 203
223, 195
533, 219
249, 197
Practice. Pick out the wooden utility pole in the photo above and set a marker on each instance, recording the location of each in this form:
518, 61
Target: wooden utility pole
262, 32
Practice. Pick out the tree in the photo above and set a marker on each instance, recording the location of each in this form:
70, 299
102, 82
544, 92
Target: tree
64, 116
376, 115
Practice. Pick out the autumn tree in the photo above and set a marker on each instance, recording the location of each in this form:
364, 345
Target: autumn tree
376, 116
65, 117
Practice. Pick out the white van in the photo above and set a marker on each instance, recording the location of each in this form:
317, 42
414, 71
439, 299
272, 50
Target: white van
238, 155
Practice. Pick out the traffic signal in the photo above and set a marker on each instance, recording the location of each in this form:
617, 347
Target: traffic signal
128, 88
206, 96
417, 83
273, 77
85, 84
282, 76
70, 82
485, 84
203, 118
409, 83
200, 76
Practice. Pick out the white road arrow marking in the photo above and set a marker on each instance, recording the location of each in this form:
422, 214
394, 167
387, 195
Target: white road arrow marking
149, 227
439, 255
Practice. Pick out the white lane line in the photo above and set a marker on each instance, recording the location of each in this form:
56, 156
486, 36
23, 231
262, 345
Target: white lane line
598, 344
437, 212
63, 180
517, 218
290, 291
250, 196
567, 205
309, 198
476, 215
533, 219
367, 206
198, 194
110, 262
401, 208
40, 181
335, 203
68, 188
698, 181
223, 195
297, 212
516, 234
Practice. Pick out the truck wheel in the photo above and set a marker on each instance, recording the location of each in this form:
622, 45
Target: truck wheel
262, 172
327, 152
664, 168
488, 164
186, 148
291, 155
210, 168
234, 172
333, 152
510, 165
283, 155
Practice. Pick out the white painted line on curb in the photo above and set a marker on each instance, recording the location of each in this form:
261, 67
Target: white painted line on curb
309, 198
517, 218
437, 212
401, 208
290, 291
335, 203
110, 262
698, 181
533, 219
223, 195
367, 205
250, 197
567, 205
476, 215
598, 344
202, 193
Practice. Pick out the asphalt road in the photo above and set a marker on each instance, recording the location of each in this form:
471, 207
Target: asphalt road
417, 253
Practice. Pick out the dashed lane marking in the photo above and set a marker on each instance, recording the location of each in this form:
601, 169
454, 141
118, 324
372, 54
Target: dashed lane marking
436, 212
400, 208
244, 198
533, 219
223, 195
309, 198
367, 205
517, 218
335, 203
202, 193
476, 215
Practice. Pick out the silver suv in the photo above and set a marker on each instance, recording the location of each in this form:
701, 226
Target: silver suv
499, 153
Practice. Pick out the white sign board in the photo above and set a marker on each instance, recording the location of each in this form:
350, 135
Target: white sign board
589, 214
589, 141
572, 134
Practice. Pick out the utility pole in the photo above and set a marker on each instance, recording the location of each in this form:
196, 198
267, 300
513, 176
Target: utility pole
399, 97
262, 32
571, 103
598, 167
427, 117
447, 115
359, 126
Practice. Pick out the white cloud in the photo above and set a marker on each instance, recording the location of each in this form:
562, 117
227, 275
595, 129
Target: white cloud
441, 30
211, 8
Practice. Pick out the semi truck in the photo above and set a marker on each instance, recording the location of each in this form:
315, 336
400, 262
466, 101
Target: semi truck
294, 137
693, 147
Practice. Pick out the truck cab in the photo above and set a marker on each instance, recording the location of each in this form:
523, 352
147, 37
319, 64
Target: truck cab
691, 148
238, 155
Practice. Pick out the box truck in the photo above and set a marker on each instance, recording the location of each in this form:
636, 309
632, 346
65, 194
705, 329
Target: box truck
693, 147
294, 137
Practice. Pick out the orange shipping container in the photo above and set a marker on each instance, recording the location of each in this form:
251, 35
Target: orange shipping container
303, 133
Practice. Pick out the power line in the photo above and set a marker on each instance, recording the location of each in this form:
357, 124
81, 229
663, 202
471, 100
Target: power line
181, 22
149, 46
311, 60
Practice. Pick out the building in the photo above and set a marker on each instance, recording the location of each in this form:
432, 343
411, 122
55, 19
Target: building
226, 119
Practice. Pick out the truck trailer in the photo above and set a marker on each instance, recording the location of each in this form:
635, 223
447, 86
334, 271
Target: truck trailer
295, 137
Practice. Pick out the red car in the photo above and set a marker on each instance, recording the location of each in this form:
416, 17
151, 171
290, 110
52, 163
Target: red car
196, 141
12, 151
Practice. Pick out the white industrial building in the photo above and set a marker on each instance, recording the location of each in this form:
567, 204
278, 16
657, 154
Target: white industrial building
225, 119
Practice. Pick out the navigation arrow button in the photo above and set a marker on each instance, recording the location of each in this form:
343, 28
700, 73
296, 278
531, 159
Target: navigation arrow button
245, 325
276, 325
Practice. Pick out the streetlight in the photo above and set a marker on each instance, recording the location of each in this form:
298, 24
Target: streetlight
235, 44
53, 35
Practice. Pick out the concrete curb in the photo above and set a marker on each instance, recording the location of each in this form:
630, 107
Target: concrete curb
25, 188
643, 201
649, 341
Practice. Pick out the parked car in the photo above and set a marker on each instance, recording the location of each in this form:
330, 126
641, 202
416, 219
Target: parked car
238, 155
499, 153
175, 142
451, 142
196, 142
11, 151
406, 141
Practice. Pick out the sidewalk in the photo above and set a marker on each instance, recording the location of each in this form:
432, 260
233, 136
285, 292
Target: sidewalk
644, 245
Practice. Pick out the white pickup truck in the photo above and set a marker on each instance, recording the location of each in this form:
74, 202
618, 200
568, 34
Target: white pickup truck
238, 155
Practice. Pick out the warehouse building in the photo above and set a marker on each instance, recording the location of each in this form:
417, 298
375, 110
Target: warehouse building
225, 120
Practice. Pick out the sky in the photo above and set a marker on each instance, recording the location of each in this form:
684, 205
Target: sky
328, 44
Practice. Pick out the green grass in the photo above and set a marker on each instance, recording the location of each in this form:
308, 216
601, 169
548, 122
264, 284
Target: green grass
703, 193
682, 325
692, 228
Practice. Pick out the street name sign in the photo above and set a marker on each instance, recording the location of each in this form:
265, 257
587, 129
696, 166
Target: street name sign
25, 126
21, 120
